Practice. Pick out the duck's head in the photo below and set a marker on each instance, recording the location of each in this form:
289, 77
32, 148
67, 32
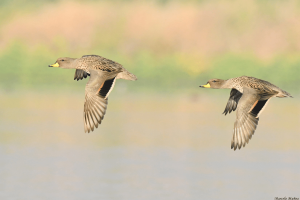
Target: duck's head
63, 62
214, 83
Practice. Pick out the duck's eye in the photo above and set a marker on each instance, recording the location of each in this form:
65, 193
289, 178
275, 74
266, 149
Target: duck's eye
214, 81
62, 60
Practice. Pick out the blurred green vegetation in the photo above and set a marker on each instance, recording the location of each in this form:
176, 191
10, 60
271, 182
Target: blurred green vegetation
160, 64
22, 68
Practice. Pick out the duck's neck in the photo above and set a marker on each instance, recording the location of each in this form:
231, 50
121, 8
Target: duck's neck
227, 84
233, 83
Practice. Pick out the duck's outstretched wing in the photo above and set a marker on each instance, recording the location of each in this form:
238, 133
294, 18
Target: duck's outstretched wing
80, 74
233, 101
248, 110
96, 92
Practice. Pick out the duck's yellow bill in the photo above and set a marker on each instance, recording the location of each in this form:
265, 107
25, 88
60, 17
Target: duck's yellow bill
54, 65
206, 86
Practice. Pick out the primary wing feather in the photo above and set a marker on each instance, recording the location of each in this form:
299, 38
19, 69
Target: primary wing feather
96, 92
80, 74
233, 101
246, 121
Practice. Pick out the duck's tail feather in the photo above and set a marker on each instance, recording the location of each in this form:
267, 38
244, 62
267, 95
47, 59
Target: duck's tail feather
283, 94
126, 75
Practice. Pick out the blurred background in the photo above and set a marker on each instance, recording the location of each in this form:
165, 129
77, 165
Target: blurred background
163, 137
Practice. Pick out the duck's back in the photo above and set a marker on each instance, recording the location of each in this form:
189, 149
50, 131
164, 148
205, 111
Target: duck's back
261, 86
96, 62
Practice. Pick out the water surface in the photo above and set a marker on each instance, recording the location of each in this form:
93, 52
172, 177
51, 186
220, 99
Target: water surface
148, 147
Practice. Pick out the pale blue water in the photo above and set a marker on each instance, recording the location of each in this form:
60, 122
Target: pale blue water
64, 172
169, 151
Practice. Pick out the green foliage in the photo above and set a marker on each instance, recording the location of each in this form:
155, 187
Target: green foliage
24, 68
283, 71
160, 64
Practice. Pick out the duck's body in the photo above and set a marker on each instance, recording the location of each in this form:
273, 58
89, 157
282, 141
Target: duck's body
103, 74
249, 96
261, 86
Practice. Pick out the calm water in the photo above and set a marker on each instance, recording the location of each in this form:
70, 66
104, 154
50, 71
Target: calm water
148, 147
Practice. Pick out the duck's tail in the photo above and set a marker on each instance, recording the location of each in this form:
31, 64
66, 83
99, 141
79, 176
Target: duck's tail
283, 94
126, 75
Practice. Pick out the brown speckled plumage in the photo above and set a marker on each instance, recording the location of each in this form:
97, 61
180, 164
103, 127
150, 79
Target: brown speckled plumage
249, 96
89, 62
103, 74
260, 85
